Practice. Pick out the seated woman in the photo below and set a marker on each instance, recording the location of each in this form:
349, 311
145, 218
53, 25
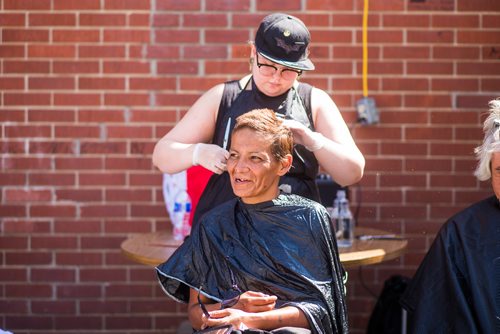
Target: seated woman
264, 260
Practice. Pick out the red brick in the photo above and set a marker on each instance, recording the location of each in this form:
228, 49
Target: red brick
151, 179
51, 51
13, 306
205, 20
78, 163
127, 5
455, 21
75, 36
126, 99
455, 52
52, 179
205, 52
180, 36
166, 20
50, 115
13, 147
148, 210
478, 37
78, 131
490, 84
11, 50
103, 307
12, 242
126, 36
25, 226
102, 20
174, 5
101, 115
52, 20
80, 322
133, 163
489, 52
53, 210
99, 83
111, 67
449, 149
101, 51
141, 148
199, 84
32, 291
26, 4
79, 259
53, 307
452, 84
102, 179
12, 179
78, 291
130, 132
443, 101
103, 148
80, 195
26, 66
226, 36
276, 5
452, 180
102, 275
405, 21
139, 20
61, 99
176, 99
29, 322
490, 21
404, 149
100, 243
26, 99
326, 5
428, 165
67, 67
407, 52
474, 101
51, 83
11, 83
53, 275
25, 35
31, 259
405, 84
479, 5
12, 20
11, 115
25, 195
177, 67
120, 290
128, 226
76, 4
151, 83
384, 165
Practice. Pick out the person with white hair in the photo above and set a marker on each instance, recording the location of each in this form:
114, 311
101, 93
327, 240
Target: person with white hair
456, 288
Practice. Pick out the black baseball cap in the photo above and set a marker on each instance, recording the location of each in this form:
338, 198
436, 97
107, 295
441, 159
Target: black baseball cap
284, 39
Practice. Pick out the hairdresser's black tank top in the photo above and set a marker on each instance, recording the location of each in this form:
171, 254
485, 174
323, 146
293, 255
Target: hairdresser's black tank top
294, 104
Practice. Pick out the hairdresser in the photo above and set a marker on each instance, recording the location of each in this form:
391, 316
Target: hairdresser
278, 57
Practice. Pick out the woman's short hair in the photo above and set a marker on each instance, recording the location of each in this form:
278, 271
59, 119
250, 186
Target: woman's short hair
491, 142
265, 122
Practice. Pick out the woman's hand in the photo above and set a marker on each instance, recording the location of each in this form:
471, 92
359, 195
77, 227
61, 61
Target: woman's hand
313, 141
254, 302
228, 316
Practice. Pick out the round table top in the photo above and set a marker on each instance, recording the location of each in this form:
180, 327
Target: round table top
156, 247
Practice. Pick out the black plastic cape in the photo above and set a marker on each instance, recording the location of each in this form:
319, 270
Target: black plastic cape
457, 286
283, 247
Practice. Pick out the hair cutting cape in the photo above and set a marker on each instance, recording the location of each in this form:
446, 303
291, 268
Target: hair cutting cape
457, 287
283, 247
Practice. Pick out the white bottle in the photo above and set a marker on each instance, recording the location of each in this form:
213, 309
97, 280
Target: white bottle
344, 221
180, 215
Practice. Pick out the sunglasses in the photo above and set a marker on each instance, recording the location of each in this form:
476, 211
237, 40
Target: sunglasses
232, 298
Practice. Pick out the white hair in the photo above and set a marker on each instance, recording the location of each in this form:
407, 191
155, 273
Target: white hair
491, 142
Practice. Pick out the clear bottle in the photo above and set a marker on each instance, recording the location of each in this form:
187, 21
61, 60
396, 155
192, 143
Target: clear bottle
181, 215
344, 222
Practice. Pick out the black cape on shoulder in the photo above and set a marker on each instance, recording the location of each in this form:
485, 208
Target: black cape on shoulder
457, 286
283, 247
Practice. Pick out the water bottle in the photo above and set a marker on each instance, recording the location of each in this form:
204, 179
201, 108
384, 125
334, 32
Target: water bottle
344, 221
181, 214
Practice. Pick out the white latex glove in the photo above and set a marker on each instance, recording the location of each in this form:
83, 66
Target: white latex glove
210, 156
313, 141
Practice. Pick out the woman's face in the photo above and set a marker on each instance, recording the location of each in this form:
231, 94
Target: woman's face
271, 85
495, 173
253, 170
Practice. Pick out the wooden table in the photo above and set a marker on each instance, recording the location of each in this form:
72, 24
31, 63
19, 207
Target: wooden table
156, 247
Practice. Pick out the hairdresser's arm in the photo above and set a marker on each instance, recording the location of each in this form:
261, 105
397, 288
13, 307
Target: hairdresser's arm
339, 156
174, 152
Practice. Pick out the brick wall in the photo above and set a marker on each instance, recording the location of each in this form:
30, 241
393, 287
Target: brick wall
88, 86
